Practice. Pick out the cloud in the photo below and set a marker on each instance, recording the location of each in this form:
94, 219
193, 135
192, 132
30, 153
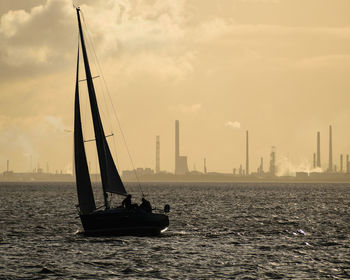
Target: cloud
233, 125
11, 21
150, 36
56, 123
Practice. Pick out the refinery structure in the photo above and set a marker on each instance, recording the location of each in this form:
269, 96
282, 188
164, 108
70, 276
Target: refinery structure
181, 167
182, 172
333, 172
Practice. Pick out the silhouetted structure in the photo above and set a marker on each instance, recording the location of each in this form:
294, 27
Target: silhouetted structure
330, 163
261, 168
8, 166
247, 154
157, 154
273, 162
205, 166
341, 163
180, 161
347, 164
314, 165
318, 149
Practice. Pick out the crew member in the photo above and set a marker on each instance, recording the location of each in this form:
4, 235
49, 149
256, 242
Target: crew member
146, 205
127, 201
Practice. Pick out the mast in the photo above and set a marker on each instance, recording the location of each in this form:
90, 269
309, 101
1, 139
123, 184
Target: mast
82, 177
110, 178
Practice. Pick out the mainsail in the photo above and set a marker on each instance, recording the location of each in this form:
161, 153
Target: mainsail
85, 193
111, 181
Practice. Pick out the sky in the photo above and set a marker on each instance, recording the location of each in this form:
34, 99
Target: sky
278, 68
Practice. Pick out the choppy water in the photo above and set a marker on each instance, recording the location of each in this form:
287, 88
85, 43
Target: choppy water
236, 231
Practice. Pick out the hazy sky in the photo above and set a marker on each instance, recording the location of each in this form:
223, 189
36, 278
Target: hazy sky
279, 68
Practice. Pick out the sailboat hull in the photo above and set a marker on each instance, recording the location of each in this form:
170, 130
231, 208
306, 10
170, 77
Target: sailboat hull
122, 221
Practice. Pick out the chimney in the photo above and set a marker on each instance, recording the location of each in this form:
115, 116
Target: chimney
330, 166
177, 145
318, 149
8, 166
273, 161
341, 163
157, 154
247, 154
314, 160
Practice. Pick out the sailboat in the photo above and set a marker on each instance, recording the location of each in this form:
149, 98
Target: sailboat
108, 220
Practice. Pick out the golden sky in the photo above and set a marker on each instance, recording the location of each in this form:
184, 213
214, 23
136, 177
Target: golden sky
278, 68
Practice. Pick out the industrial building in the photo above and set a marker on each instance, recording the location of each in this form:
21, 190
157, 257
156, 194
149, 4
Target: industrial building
180, 161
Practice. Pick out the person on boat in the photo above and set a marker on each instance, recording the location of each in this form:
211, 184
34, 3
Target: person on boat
146, 205
127, 201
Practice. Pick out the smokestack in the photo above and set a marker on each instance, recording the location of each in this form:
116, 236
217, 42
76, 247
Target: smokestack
273, 161
318, 149
157, 154
341, 163
205, 166
330, 166
247, 154
261, 166
8, 165
177, 144
314, 160
347, 164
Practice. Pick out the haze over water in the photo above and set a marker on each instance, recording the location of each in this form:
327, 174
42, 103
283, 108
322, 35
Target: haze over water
241, 231
276, 68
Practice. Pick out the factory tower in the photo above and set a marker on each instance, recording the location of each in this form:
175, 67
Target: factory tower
247, 154
180, 161
318, 149
157, 154
330, 166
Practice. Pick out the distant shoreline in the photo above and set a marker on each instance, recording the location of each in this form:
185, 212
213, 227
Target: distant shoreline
285, 180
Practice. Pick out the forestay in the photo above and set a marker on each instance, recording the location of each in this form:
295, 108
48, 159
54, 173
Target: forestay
111, 181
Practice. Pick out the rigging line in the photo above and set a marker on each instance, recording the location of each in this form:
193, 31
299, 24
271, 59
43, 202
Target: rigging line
91, 140
115, 150
95, 62
114, 110
100, 85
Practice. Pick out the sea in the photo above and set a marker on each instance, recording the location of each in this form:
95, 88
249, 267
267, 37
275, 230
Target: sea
217, 231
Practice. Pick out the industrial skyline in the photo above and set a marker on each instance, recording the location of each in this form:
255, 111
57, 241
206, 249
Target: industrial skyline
181, 167
181, 164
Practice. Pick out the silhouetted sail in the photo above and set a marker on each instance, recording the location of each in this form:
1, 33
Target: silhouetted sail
84, 189
114, 184
111, 181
